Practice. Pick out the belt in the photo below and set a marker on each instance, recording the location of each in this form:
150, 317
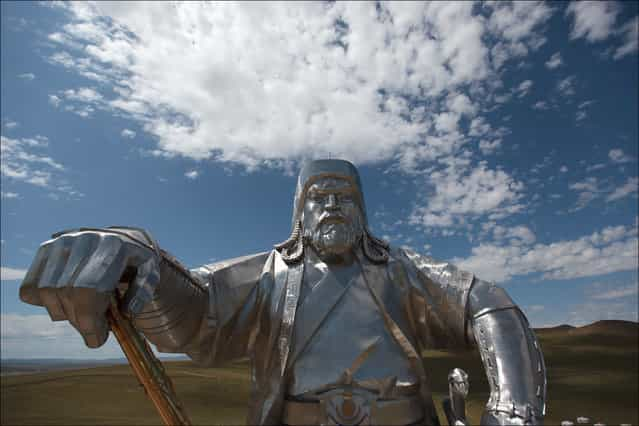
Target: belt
344, 409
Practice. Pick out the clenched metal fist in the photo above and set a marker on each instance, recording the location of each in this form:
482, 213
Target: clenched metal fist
75, 273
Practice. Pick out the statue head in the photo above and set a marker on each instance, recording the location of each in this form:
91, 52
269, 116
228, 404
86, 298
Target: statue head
329, 215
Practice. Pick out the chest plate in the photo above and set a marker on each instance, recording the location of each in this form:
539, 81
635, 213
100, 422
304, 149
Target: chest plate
339, 329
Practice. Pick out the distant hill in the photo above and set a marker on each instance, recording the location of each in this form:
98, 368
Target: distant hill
603, 327
39, 365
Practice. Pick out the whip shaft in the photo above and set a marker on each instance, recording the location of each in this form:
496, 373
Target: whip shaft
147, 368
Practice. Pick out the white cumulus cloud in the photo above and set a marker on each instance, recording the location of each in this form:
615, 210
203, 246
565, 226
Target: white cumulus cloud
592, 20
294, 81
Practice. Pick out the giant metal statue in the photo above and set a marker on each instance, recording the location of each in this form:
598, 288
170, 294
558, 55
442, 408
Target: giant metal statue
334, 320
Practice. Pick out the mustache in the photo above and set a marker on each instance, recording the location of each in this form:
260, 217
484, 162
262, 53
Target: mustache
327, 217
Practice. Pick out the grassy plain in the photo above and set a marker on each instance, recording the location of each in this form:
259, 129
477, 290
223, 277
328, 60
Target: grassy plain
592, 371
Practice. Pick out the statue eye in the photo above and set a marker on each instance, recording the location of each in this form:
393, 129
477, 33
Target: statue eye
346, 198
316, 196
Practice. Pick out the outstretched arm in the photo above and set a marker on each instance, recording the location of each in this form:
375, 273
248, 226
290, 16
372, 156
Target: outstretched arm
511, 355
209, 312
75, 273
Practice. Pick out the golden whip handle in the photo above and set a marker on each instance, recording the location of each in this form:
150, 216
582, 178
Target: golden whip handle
147, 368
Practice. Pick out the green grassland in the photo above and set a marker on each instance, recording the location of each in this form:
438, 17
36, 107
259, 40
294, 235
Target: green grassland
592, 371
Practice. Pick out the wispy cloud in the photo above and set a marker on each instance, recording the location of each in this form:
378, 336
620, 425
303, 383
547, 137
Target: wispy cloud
192, 174
630, 34
127, 133
594, 167
523, 88
585, 104
614, 309
9, 124
540, 105
488, 147
629, 188
82, 94
588, 189
555, 61
566, 86
23, 161
581, 115
9, 194
11, 274
54, 100
611, 249
617, 293
618, 156
27, 76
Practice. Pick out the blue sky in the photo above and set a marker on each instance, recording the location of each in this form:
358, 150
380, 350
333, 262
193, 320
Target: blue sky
501, 136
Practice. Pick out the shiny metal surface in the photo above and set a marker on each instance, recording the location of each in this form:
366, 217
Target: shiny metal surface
174, 314
439, 295
335, 190
455, 405
514, 364
337, 305
353, 407
312, 317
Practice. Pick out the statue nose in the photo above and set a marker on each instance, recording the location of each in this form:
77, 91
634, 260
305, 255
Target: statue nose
331, 202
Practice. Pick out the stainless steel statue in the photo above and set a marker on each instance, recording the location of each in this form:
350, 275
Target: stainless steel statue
333, 319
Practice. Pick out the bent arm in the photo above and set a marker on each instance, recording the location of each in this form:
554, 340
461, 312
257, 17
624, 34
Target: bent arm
511, 355
454, 309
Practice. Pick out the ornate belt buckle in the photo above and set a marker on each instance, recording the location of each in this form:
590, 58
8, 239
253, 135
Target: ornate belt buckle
347, 407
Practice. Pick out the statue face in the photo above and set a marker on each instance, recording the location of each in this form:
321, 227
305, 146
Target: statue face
332, 218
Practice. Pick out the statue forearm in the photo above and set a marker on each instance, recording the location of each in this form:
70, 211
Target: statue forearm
172, 318
511, 355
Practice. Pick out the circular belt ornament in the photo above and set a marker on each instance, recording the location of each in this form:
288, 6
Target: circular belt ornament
348, 407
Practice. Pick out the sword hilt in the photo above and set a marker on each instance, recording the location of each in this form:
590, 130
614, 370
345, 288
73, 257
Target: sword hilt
455, 403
